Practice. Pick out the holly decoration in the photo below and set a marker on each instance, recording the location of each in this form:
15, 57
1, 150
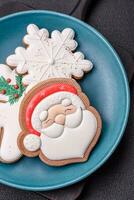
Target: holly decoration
14, 92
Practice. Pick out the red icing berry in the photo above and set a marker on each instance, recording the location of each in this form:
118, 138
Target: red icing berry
3, 91
16, 86
8, 80
16, 96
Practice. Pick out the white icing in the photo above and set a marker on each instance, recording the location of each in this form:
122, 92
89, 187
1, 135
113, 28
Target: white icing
48, 57
51, 100
66, 102
53, 131
73, 120
32, 142
73, 142
9, 115
35, 35
43, 115
9, 150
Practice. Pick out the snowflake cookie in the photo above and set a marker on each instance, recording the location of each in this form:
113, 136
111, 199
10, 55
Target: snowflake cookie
49, 57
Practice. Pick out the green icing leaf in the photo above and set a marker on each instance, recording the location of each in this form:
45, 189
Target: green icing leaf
10, 90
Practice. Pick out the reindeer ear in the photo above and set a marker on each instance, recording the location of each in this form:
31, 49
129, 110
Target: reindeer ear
43, 115
66, 102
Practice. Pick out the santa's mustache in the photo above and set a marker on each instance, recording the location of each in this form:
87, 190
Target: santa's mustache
72, 121
53, 131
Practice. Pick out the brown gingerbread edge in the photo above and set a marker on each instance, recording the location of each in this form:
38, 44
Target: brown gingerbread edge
24, 132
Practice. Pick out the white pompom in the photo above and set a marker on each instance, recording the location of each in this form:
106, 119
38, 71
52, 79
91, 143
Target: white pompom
43, 115
32, 142
66, 102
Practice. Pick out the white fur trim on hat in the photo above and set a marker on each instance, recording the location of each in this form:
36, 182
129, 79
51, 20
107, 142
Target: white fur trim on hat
32, 142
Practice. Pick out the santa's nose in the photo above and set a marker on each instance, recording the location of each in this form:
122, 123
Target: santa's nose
60, 119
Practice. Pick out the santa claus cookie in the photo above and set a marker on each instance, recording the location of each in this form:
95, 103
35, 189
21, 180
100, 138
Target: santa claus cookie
58, 124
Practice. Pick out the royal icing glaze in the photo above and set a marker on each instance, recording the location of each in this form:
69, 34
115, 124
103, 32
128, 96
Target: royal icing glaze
49, 57
66, 102
32, 142
73, 142
9, 150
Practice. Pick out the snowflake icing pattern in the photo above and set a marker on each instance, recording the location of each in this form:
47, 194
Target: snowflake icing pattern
48, 57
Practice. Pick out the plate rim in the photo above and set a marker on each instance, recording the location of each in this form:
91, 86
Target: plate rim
126, 84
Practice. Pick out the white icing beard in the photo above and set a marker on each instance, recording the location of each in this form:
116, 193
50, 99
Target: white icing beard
73, 142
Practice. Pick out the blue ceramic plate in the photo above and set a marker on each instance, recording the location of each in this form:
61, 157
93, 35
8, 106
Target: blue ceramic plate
106, 86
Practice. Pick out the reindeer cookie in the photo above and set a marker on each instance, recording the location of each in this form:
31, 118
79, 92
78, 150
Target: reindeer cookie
11, 91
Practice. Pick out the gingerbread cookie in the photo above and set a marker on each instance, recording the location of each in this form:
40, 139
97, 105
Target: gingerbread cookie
58, 123
40, 99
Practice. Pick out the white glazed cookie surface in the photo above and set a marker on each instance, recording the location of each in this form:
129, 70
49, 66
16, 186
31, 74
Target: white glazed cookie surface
49, 57
32, 142
9, 150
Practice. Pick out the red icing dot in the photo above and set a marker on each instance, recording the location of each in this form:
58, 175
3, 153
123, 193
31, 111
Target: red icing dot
16, 86
3, 91
16, 96
8, 80
59, 87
